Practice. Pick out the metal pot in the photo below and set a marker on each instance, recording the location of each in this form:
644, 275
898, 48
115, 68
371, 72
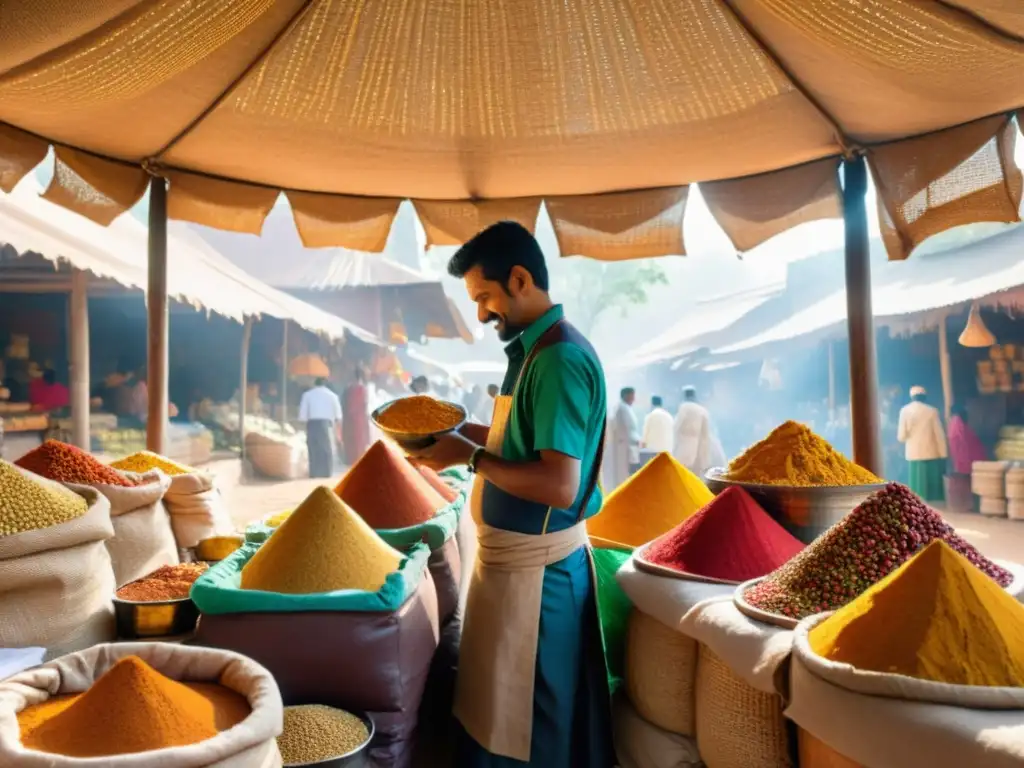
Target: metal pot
357, 758
160, 618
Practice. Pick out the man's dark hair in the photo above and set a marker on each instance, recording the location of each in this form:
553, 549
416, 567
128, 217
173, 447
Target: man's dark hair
50, 376
656, 401
497, 250
626, 392
320, 381
690, 393
493, 390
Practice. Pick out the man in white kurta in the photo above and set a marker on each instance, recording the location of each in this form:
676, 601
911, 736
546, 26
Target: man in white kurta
696, 446
623, 441
658, 428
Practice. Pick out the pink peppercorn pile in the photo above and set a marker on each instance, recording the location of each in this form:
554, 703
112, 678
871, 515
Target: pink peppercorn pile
67, 464
885, 531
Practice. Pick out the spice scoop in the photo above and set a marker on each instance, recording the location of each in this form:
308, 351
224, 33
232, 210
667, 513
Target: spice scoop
416, 422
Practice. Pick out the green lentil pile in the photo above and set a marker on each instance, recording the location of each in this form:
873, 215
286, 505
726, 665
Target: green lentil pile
315, 732
27, 505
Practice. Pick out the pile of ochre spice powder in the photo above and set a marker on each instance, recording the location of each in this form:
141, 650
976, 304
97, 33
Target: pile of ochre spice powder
731, 539
875, 539
168, 582
67, 464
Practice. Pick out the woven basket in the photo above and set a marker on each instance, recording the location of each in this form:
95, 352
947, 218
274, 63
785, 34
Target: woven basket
992, 507
1015, 509
737, 725
661, 670
815, 753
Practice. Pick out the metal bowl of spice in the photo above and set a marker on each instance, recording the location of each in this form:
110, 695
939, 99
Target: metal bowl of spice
805, 511
158, 605
416, 422
318, 736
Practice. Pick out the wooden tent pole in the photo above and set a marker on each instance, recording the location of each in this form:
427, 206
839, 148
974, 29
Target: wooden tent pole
79, 354
284, 375
243, 390
832, 380
864, 416
156, 307
944, 368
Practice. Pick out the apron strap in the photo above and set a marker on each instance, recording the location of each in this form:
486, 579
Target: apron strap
563, 331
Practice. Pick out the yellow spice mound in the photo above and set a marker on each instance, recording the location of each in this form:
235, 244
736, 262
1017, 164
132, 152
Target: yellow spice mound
793, 455
275, 520
322, 546
654, 500
936, 618
28, 505
144, 461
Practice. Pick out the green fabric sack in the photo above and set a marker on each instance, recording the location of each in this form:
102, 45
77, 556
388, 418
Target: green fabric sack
613, 607
219, 589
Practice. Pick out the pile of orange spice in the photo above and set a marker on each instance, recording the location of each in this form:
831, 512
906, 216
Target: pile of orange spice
130, 709
168, 582
67, 464
420, 415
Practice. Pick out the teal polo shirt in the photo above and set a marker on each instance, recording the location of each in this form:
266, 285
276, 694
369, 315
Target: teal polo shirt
559, 404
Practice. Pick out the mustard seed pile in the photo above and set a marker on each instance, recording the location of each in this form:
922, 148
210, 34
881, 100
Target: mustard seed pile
27, 505
315, 732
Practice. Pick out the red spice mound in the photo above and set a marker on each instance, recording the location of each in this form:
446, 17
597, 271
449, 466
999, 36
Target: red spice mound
448, 493
731, 538
871, 542
386, 491
67, 464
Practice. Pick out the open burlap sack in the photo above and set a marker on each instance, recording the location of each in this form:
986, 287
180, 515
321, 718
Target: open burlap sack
197, 509
143, 539
250, 744
815, 753
639, 744
667, 600
661, 671
56, 582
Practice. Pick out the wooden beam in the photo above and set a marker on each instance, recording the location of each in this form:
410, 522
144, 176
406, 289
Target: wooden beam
284, 374
831, 380
79, 358
944, 368
244, 388
156, 306
864, 416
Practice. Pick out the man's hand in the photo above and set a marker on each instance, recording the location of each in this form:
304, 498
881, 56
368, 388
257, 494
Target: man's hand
450, 450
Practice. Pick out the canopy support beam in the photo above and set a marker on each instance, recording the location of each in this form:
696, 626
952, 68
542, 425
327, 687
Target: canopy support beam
864, 416
944, 368
156, 309
243, 390
78, 306
284, 374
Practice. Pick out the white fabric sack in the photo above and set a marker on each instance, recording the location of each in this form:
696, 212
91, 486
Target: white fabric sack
888, 733
276, 459
756, 652
666, 599
638, 744
197, 509
250, 744
56, 582
143, 539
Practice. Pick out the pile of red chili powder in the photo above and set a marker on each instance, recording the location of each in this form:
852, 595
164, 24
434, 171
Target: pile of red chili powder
67, 464
731, 539
885, 531
386, 490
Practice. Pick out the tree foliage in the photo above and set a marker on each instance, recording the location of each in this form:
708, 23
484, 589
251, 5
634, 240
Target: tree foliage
590, 289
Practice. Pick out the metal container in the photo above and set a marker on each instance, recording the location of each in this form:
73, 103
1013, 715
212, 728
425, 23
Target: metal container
415, 441
160, 618
357, 758
806, 512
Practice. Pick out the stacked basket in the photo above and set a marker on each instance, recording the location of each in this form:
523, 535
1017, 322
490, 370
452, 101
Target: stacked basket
988, 481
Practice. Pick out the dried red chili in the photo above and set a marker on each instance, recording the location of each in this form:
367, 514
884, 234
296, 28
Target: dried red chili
67, 464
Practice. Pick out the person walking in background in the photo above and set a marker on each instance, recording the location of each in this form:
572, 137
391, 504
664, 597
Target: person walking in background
965, 447
485, 407
320, 411
696, 446
355, 418
624, 440
920, 429
658, 428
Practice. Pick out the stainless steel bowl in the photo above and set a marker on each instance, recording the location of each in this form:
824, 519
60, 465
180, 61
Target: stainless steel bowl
357, 758
160, 618
414, 441
806, 512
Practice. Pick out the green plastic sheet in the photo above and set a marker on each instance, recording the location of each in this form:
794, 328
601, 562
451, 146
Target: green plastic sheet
613, 607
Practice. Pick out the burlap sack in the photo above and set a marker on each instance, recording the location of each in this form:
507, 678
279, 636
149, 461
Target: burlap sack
56, 583
250, 744
738, 726
880, 732
661, 670
638, 744
667, 600
815, 753
197, 509
276, 459
143, 539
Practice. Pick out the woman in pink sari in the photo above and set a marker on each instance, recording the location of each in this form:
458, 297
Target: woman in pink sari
965, 447
355, 418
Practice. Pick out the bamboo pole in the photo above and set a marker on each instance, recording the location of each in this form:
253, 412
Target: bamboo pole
156, 307
832, 380
78, 305
284, 375
945, 369
244, 383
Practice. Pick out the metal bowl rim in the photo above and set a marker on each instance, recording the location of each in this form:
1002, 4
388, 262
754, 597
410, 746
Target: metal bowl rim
367, 720
713, 475
757, 614
175, 601
399, 436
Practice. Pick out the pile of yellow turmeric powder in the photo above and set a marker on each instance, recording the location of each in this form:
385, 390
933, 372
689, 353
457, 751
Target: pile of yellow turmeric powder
793, 455
132, 708
936, 618
420, 415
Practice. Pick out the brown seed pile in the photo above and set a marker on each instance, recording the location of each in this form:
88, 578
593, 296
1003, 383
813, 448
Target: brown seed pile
143, 461
885, 531
315, 732
420, 415
67, 464
28, 505
168, 582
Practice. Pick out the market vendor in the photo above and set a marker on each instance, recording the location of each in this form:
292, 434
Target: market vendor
48, 394
920, 429
532, 687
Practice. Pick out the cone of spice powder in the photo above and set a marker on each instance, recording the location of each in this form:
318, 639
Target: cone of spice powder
322, 546
875, 539
434, 480
387, 491
936, 618
731, 539
657, 498
67, 464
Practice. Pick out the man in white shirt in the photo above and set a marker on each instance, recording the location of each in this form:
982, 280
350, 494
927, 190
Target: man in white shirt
658, 428
320, 409
623, 455
920, 428
696, 446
